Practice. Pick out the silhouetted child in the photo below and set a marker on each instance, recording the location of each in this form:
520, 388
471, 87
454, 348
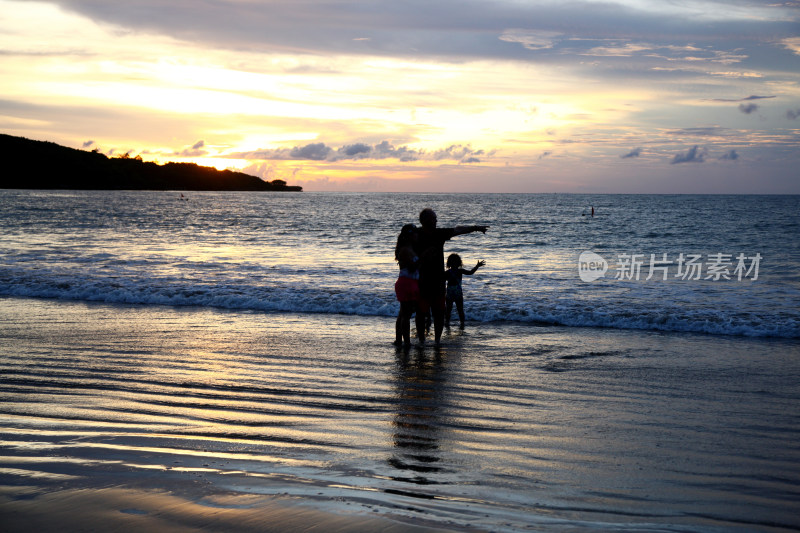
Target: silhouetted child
454, 294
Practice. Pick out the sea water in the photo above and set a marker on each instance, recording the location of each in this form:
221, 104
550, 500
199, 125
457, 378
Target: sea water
727, 265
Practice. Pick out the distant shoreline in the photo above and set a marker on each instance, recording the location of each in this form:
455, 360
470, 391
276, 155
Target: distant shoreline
43, 165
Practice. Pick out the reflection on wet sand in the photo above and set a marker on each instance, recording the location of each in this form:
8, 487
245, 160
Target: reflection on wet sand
420, 397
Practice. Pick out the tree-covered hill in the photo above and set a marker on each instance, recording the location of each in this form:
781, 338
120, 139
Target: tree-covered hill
31, 164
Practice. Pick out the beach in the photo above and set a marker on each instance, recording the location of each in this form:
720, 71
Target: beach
130, 417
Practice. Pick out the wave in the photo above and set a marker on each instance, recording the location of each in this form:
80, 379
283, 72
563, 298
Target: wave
299, 297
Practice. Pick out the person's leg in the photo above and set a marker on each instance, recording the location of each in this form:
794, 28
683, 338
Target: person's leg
422, 312
447, 312
406, 310
438, 317
398, 327
460, 307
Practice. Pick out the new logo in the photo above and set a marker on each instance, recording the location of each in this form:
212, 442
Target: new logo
591, 266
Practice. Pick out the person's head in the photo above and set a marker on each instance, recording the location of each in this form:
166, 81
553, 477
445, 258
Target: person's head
453, 261
408, 234
427, 217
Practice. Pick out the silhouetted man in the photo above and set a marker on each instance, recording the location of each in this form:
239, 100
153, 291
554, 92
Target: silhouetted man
430, 249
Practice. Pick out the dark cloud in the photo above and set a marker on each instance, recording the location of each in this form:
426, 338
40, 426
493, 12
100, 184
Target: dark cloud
87, 144
196, 150
793, 114
636, 152
457, 28
694, 155
748, 108
382, 150
314, 152
385, 150
730, 155
355, 149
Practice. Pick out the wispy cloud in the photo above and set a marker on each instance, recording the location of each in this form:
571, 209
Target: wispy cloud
746, 99
748, 108
666, 52
793, 44
531, 39
702, 131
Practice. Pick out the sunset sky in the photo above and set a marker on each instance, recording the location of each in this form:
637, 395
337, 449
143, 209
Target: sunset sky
617, 96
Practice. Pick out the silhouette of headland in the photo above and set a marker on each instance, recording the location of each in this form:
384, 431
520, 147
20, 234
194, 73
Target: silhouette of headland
32, 164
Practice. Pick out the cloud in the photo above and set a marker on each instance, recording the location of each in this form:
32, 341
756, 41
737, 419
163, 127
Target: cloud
792, 114
730, 155
708, 131
793, 44
455, 28
531, 39
747, 108
386, 150
636, 152
746, 99
314, 152
383, 150
196, 150
457, 151
664, 52
694, 155
87, 144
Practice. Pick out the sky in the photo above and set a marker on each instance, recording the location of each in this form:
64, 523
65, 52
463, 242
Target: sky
612, 96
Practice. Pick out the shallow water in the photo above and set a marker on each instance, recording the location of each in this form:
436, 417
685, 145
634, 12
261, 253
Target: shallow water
507, 427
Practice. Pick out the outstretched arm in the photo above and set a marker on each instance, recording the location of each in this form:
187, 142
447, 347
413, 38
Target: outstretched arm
461, 230
471, 272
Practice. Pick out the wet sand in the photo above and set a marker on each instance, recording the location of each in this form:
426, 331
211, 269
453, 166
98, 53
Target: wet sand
124, 509
130, 418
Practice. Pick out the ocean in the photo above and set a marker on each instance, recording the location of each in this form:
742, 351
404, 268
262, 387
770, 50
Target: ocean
231, 349
731, 263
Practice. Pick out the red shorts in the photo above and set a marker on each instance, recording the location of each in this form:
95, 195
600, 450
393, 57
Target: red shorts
406, 289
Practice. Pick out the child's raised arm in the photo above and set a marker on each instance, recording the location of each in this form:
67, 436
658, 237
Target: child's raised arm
471, 272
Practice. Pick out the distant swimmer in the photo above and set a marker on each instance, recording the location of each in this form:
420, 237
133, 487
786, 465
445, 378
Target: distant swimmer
593, 211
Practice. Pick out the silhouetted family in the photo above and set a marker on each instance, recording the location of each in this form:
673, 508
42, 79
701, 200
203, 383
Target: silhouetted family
423, 286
